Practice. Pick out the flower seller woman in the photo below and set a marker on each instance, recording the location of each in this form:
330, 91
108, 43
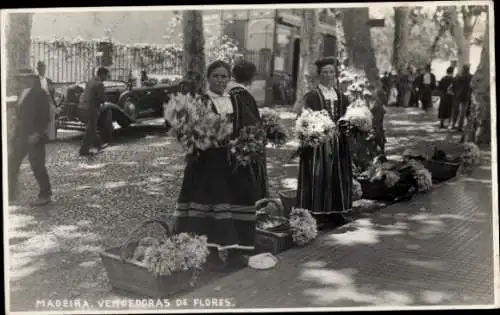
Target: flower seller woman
214, 200
325, 176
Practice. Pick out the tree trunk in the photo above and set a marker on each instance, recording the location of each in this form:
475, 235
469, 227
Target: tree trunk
479, 120
18, 46
194, 44
457, 33
361, 56
360, 52
401, 38
309, 52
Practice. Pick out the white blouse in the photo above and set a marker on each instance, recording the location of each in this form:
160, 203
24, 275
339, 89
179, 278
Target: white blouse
222, 103
330, 95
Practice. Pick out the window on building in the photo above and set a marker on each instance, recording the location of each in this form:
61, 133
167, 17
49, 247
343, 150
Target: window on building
329, 45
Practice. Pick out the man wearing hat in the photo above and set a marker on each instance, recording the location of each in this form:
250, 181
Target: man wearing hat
29, 138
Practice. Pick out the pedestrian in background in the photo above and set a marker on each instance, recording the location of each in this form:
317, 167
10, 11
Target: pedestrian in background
427, 86
463, 93
29, 138
48, 87
446, 89
92, 100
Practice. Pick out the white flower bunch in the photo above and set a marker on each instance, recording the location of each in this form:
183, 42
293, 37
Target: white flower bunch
471, 155
180, 252
194, 125
359, 116
357, 190
424, 180
303, 226
314, 127
391, 178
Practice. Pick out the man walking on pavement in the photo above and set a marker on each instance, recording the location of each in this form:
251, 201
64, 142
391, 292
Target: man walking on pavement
92, 99
463, 93
29, 137
427, 86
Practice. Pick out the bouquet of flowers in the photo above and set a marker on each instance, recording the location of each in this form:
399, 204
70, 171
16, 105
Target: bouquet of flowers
314, 128
359, 116
179, 252
357, 191
275, 131
194, 125
249, 147
424, 180
471, 155
303, 226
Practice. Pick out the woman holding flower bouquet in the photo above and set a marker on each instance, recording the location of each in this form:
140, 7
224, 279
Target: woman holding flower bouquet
325, 173
255, 176
217, 198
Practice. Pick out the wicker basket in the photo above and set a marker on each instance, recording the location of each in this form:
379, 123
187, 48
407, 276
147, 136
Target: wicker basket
132, 276
289, 201
377, 190
442, 170
272, 242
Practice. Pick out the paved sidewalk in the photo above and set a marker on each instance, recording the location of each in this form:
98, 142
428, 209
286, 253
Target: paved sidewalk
434, 250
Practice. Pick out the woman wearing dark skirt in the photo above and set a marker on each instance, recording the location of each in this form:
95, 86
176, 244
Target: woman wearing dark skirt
446, 102
252, 181
325, 173
214, 200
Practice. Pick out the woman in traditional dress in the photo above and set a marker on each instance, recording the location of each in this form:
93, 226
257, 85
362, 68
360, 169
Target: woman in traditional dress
325, 173
252, 181
446, 88
213, 201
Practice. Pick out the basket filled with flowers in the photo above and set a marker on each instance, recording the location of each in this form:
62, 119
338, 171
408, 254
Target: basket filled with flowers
273, 229
156, 266
386, 180
359, 116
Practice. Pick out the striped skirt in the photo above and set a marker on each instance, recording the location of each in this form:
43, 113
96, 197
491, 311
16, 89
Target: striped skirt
218, 202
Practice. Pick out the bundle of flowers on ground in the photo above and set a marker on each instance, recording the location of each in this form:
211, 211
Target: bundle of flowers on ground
381, 170
249, 147
471, 154
314, 128
275, 130
180, 252
359, 116
194, 125
303, 226
357, 190
424, 180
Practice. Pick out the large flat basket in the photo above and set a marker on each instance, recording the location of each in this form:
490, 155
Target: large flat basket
132, 276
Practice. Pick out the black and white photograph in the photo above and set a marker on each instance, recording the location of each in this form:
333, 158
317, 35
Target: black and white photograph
242, 158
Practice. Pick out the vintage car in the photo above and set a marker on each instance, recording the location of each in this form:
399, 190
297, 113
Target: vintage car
124, 105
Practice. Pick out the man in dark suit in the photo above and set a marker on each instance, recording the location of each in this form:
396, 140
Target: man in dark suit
48, 87
92, 99
29, 137
427, 87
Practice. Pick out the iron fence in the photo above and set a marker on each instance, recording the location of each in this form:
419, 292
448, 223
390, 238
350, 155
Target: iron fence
69, 62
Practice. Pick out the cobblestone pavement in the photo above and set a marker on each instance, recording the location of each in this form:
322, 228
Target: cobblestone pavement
53, 251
